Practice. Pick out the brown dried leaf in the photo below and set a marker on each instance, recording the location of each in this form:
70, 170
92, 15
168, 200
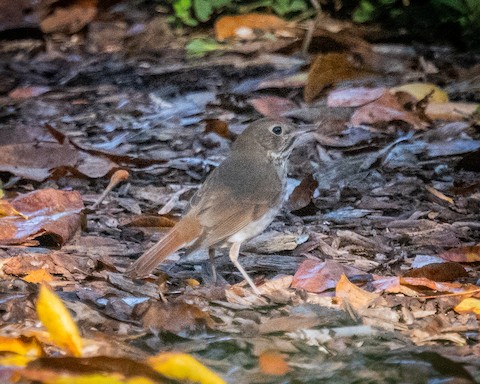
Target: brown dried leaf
447, 271
451, 111
329, 69
317, 276
272, 106
69, 19
386, 109
34, 153
356, 297
28, 92
51, 213
462, 254
302, 195
219, 127
354, 97
175, 317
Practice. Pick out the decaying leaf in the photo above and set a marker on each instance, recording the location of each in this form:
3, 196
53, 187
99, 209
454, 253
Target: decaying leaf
317, 276
439, 271
385, 109
69, 19
462, 254
52, 215
272, 106
329, 69
34, 153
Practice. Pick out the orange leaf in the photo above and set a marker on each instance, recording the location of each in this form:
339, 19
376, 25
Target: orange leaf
38, 276
357, 297
227, 26
273, 363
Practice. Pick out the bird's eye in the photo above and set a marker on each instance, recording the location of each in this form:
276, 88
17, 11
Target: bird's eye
277, 130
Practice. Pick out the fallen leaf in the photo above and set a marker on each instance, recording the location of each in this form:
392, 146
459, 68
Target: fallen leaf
357, 297
6, 209
354, 97
468, 305
34, 153
52, 214
165, 221
273, 363
439, 194
462, 254
57, 319
219, 127
329, 69
22, 345
422, 90
38, 276
28, 92
451, 111
229, 26
69, 19
384, 110
272, 106
447, 271
317, 276
302, 195
174, 317
180, 366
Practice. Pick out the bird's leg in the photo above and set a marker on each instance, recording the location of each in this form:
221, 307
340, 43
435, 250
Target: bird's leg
211, 256
233, 254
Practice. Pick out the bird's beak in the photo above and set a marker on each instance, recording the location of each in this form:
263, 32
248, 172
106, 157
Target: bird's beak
301, 130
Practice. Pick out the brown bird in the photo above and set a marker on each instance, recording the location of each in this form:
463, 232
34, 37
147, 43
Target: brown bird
237, 201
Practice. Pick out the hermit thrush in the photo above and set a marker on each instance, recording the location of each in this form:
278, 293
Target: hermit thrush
237, 201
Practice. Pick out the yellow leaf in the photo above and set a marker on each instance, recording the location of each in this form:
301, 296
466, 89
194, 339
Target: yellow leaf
58, 321
38, 276
98, 379
15, 360
420, 90
181, 366
26, 346
468, 305
6, 209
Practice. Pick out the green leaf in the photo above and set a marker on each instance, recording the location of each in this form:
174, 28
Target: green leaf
203, 9
200, 47
182, 11
364, 12
283, 7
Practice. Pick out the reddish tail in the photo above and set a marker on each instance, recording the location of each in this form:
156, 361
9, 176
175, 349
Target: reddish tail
184, 232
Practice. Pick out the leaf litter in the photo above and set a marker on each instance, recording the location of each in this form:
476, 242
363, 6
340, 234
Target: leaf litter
353, 282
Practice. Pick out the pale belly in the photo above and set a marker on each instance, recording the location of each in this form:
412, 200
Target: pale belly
254, 228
